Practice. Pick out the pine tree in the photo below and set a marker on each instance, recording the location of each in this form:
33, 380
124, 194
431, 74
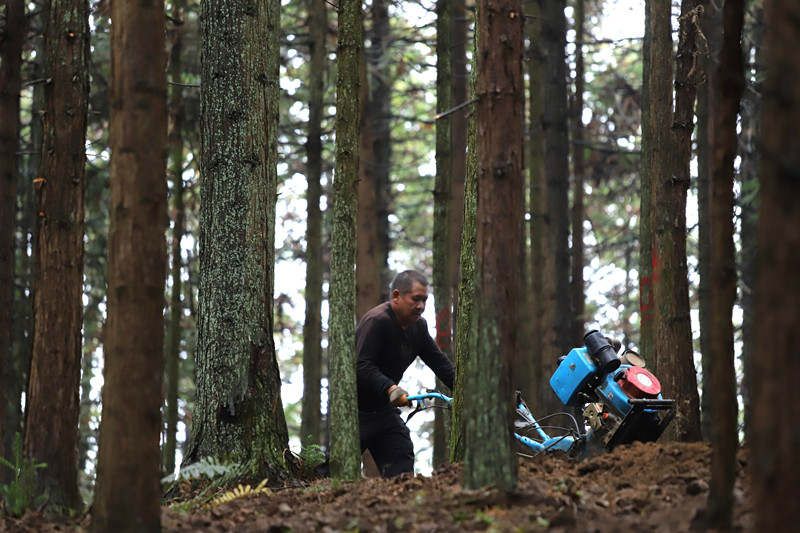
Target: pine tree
52, 395
175, 139
499, 89
128, 493
724, 434
776, 367
345, 447
442, 196
238, 413
311, 424
10, 84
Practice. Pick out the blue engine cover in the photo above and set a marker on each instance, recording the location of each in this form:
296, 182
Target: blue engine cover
572, 375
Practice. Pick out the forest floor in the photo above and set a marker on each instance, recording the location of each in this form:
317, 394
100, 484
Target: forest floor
640, 487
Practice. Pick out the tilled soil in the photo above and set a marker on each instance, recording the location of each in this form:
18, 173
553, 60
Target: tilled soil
637, 488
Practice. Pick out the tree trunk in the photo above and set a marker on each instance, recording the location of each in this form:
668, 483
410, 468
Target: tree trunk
776, 367
52, 395
311, 424
578, 169
175, 140
556, 320
724, 435
22, 321
500, 87
128, 490
707, 106
646, 303
10, 84
458, 59
669, 173
345, 448
441, 210
535, 164
238, 412
751, 133
464, 337
372, 283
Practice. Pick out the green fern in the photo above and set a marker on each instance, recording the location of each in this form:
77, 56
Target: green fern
20, 493
208, 467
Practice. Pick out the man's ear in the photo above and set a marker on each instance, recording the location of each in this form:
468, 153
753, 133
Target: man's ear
395, 293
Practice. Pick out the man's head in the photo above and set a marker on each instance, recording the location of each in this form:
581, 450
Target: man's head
409, 292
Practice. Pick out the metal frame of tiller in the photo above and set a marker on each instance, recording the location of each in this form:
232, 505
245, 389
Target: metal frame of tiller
619, 400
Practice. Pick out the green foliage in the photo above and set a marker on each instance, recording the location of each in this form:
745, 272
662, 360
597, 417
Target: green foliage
20, 493
311, 457
208, 467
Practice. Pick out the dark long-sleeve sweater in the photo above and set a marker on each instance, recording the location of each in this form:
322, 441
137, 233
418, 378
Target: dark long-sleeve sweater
385, 351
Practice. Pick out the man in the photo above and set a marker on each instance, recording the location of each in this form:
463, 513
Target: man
388, 339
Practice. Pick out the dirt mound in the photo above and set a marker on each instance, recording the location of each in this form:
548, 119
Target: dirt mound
639, 487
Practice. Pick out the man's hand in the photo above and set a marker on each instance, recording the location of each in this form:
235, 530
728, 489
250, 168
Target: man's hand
397, 396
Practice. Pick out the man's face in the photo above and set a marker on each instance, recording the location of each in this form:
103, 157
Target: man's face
408, 307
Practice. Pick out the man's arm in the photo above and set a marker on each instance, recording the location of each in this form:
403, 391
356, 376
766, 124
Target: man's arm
432, 356
368, 351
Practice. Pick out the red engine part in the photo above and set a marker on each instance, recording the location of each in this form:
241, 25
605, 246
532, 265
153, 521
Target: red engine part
638, 382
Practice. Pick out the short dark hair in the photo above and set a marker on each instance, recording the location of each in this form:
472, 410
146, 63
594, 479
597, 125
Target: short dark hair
406, 279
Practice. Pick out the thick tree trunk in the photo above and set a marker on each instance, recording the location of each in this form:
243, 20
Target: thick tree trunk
724, 434
500, 87
669, 173
52, 395
10, 84
776, 367
238, 412
578, 170
311, 424
442, 195
557, 322
345, 448
707, 106
175, 140
128, 490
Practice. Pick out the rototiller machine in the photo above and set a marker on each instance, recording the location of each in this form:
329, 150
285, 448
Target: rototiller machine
619, 399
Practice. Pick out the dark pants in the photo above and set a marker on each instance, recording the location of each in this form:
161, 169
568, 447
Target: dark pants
386, 436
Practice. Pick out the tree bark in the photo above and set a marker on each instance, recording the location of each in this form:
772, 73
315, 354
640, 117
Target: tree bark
345, 448
458, 59
52, 396
10, 84
707, 108
441, 211
724, 435
372, 283
238, 411
535, 164
311, 424
669, 173
578, 170
175, 140
500, 87
646, 303
776, 367
557, 322
128, 491
464, 333
748, 201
